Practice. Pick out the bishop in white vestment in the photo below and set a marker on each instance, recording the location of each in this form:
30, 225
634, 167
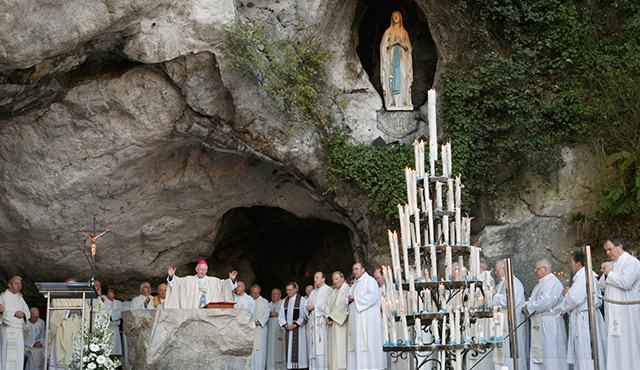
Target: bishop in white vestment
501, 356
575, 303
198, 290
275, 346
317, 331
337, 321
14, 317
548, 333
291, 318
621, 281
365, 323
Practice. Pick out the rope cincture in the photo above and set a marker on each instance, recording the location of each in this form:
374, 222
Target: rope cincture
625, 303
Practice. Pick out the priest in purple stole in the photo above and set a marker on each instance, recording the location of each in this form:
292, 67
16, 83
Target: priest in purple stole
291, 318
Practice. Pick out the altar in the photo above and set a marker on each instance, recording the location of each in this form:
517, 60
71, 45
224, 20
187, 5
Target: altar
189, 338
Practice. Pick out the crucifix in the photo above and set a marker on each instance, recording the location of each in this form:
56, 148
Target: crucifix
93, 238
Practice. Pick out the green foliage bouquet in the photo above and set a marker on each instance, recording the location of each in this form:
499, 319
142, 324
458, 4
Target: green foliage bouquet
97, 347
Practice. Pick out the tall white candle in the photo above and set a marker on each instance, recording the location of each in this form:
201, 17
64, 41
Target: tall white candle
418, 258
405, 331
422, 159
448, 263
492, 329
458, 226
433, 135
444, 329
441, 296
434, 331
412, 289
414, 191
458, 196
427, 294
445, 229
405, 258
416, 219
458, 359
423, 202
439, 195
450, 192
416, 155
396, 268
430, 221
417, 326
434, 265
445, 166
449, 161
472, 296
452, 333
392, 327
452, 232
467, 324
385, 322
457, 326
461, 272
407, 179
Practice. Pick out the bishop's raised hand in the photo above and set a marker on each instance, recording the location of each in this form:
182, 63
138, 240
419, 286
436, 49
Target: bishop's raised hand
171, 271
233, 274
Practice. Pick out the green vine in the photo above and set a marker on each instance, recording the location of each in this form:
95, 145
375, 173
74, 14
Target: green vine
545, 73
379, 171
291, 72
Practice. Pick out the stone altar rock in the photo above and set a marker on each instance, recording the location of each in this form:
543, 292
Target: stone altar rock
189, 338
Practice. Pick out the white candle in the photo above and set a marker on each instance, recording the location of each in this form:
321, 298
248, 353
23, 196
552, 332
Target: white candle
457, 326
450, 205
458, 226
449, 161
417, 326
458, 192
445, 229
448, 263
439, 195
492, 330
427, 294
468, 231
396, 268
416, 249
434, 265
443, 302
422, 200
416, 218
416, 155
430, 221
445, 166
405, 331
467, 323
407, 179
458, 359
434, 331
433, 135
392, 248
502, 327
385, 323
412, 289
452, 333
421, 151
461, 268
414, 190
444, 329
405, 258
392, 324
480, 331
472, 295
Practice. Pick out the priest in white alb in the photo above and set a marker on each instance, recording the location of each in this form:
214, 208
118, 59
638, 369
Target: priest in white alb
275, 347
502, 356
336, 315
14, 317
365, 321
34, 332
196, 291
242, 299
100, 306
575, 303
548, 334
621, 282
260, 332
291, 319
144, 301
317, 331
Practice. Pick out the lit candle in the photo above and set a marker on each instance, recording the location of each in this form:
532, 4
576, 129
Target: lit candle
385, 323
416, 155
439, 195
392, 324
405, 331
448, 263
502, 327
434, 265
450, 205
421, 153
445, 229
492, 330
443, 302
417, 327
433, 135
396, 268
445, 166
430, 221
407, 179
481, 333
458, 192
467, 237
489, 296
434, 331
414, 191
449, 161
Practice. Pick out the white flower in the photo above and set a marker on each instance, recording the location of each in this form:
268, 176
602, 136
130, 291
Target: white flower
91, 365
94, 347
101, 359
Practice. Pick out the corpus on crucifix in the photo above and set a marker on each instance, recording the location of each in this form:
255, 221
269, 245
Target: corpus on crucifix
93, 243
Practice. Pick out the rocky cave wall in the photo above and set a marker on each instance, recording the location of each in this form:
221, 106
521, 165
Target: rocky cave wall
129, 111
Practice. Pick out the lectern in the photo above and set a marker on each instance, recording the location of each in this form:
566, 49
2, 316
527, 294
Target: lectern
82, 290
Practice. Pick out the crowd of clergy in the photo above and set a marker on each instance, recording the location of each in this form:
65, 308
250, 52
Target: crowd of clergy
337, 324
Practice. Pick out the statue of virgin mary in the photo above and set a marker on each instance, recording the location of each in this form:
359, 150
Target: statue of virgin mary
396, 65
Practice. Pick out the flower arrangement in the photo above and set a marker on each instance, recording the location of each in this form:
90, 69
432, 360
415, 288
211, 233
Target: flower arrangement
97, 348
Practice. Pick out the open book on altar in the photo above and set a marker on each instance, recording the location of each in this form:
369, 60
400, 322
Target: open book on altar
220, 305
